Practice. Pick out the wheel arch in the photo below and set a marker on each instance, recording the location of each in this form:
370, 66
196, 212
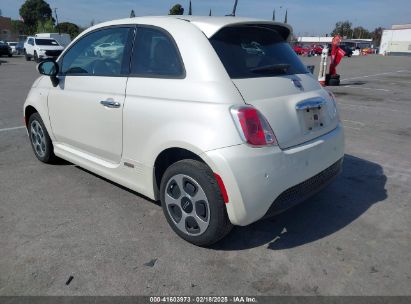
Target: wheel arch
165, 159
28, 111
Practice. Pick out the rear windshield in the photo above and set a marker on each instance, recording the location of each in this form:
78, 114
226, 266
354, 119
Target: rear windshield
46, 42
253, 51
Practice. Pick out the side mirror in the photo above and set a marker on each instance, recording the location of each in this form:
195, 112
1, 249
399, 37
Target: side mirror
50, 68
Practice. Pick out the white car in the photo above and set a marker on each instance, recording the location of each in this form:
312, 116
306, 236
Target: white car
12, 45
41, 48
109, 50
190, 115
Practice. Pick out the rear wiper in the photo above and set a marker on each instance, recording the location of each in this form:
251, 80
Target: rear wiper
279, 67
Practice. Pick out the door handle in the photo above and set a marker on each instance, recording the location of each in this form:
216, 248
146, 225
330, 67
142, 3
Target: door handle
110, 103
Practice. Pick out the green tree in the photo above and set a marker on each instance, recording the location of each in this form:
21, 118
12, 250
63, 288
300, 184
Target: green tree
376, 35
69, 28
132, 14
34, 11
343, 28
360, 33
177, 9
45, 27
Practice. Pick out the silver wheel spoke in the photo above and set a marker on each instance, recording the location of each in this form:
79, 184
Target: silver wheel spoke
37, 138
172, 201
182, 223
201, 223
192, 212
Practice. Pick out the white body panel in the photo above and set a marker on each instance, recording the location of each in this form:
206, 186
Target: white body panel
192, 113
79, 120
40, 49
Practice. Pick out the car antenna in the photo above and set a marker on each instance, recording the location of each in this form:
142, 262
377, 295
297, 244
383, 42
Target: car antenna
234, 9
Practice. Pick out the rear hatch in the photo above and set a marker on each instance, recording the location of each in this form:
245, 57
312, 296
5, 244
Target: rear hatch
270, 76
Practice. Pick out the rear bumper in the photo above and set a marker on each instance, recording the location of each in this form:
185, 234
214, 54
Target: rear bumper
299, 193
265, 181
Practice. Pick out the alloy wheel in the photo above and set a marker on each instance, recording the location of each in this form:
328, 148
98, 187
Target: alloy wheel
38, 139
187, 205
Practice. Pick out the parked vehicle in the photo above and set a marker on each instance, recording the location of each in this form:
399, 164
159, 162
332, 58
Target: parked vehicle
348, 51
63, 39
109, 50
5, 49
41, 48
190, 115
12, 45
317, 49
300, 50
20, 48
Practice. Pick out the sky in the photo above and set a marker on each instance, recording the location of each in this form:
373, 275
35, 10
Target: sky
307, 17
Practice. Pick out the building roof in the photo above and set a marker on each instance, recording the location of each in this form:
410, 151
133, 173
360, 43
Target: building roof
401, 26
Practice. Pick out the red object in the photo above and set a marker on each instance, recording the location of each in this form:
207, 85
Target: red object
317, 49
255, 127
300, 50
222, 187
336, 55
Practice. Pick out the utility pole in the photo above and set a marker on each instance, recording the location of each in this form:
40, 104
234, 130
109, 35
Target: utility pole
57, 19
274, 15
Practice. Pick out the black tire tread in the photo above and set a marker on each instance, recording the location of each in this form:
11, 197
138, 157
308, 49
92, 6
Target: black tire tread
224, 224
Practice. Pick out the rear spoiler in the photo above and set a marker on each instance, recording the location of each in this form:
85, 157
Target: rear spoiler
211, 28
283, 29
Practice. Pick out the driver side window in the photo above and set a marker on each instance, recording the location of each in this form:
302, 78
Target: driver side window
101, 53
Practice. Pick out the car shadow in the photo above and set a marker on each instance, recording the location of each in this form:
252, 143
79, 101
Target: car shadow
354, 83
361, 184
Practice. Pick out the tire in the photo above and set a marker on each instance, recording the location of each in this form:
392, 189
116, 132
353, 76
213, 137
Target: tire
40, 139
10, 55
36, 57
26, 56
201, 221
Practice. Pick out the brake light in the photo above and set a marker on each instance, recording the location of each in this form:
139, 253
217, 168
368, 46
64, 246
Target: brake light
253, 127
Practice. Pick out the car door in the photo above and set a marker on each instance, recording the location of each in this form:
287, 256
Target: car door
30, 46
86, 106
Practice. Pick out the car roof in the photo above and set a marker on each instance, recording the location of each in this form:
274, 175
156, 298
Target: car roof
208, 25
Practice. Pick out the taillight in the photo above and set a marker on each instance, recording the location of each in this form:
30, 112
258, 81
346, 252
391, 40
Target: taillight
253, 127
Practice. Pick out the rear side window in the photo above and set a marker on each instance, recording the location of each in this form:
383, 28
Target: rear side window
253, 51
156, 55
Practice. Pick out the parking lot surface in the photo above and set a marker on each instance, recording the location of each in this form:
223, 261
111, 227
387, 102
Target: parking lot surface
353, 238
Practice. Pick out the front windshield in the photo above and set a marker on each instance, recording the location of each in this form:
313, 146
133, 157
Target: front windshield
46, 42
